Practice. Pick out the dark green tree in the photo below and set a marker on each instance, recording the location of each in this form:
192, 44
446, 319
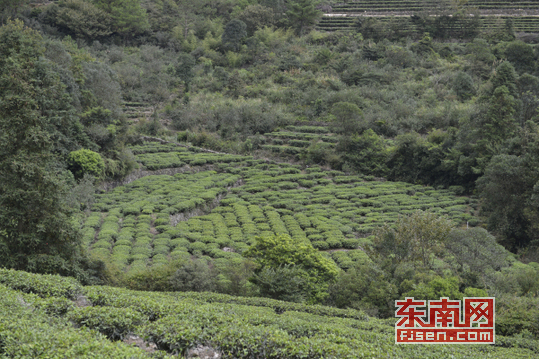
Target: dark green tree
286, 282
476, 255
521, 55
233, 35
302, 14
36, 123
422, 160
480, 57
464, 86
184, 69
256, 17
414, 238
129, 18
528, 88
83, 19
349, 119
297, 261
507, 189
365, 153
279, 11
364, 287
9, 8
195, 276
505, 75
500, 124
487, 133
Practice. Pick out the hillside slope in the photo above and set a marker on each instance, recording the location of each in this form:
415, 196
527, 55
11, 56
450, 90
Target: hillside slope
52, 316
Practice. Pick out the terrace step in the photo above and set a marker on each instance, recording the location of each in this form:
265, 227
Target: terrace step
526, 24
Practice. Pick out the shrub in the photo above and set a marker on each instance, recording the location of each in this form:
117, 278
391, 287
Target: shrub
84, 161
115, 323
195, 275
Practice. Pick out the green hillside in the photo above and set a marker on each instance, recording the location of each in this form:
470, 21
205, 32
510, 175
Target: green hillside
51, 316
236, 176
237, 198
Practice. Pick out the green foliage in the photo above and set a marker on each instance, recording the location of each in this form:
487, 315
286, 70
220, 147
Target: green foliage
256, 17
500, 123
83, 162
286, 282
437, 288
239, 327
23, 319
417, 159
416, 238
115, 323
520, 55
464, 86
234, 32
184, 68
517, 316
364, 287
42, 285
505, 75
476, 254
365, 153
97, 116
348, 117
310, 266
82, 19
36, 122
129, 18
505, 187
301, 14
194, 276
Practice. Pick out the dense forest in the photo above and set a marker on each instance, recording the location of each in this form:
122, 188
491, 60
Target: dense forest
241, 148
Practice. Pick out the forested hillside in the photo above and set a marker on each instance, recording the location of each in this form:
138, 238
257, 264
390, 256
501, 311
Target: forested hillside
308, 178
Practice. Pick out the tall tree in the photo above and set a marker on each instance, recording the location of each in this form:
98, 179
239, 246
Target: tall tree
302, 13
8, 8
295, 260
256, 17
505, 188
129, 18
83, 19
234, 32
414, 238
505, 75
184, 69
349, 119
36, 127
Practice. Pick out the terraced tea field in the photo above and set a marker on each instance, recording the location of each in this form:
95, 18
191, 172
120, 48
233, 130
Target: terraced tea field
293, 140
218, 203
52, 316
395, 6
525, 14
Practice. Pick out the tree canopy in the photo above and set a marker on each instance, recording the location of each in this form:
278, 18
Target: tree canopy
304, 262
36, 125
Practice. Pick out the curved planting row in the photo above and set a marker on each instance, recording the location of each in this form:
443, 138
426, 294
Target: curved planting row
346, 23
34, 323
422, 5
294, 140
219, 213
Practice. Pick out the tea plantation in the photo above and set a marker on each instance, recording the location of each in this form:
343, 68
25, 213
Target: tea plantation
222, 202
42, 316
493, 14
